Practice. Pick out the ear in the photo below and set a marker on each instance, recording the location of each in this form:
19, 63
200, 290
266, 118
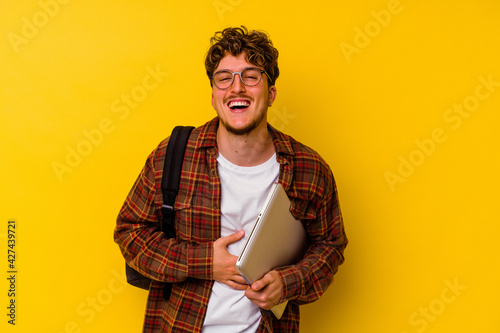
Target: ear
272, 94
213, 106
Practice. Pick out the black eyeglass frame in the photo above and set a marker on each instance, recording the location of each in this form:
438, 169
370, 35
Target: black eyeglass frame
241, 78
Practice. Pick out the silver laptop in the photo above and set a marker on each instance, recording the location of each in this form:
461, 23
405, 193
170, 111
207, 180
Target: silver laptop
277, 239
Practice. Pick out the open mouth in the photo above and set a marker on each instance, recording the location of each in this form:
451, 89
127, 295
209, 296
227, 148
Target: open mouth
239, 104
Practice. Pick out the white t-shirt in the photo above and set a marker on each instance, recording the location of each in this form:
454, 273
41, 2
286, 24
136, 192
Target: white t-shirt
244, 190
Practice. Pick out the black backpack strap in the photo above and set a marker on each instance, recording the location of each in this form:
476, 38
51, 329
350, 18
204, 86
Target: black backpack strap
172, 168
174, 157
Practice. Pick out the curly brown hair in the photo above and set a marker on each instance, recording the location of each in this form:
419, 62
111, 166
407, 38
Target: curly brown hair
257, 45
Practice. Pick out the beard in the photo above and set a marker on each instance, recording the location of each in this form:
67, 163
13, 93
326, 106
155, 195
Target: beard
254, 123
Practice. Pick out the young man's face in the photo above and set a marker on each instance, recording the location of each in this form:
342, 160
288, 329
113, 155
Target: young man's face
241, 108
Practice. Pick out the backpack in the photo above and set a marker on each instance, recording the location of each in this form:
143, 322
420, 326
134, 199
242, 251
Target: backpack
174, 157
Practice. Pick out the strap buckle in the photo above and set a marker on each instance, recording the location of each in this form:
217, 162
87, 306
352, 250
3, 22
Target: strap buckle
167, 210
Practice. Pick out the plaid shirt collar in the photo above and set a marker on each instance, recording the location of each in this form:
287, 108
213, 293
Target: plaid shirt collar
208, 138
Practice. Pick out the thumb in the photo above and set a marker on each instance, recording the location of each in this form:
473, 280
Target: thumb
233, 238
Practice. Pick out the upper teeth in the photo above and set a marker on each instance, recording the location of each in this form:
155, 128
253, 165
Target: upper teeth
238, 103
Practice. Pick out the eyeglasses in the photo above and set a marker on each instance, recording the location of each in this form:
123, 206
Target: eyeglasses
249, 76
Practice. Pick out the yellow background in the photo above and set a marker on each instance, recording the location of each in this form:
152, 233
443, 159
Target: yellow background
362, 83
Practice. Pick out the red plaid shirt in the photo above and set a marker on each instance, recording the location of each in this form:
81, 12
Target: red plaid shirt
187, 260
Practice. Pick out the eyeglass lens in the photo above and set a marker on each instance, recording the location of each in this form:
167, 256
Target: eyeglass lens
249, 76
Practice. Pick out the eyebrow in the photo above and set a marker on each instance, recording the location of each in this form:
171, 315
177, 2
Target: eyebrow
229, 70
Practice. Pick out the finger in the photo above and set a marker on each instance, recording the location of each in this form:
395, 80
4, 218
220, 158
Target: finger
262, 283
238, 286
258, 298
232, 238
235, 284
239, 279
262, 299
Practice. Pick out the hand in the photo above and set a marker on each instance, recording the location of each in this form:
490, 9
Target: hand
266, 292
224, 269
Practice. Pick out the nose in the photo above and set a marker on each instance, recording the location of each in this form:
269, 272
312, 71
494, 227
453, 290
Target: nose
237, 86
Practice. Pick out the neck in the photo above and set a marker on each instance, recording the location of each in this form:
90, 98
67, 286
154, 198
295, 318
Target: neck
249, 149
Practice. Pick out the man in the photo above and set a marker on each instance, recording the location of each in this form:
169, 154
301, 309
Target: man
229, 167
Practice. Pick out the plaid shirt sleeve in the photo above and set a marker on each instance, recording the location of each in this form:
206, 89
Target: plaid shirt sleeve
142, 243
311, 187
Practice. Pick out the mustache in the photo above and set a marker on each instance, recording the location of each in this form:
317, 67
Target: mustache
226, 100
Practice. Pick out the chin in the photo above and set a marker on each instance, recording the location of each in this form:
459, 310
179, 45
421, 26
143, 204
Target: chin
243, 124
240, 130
